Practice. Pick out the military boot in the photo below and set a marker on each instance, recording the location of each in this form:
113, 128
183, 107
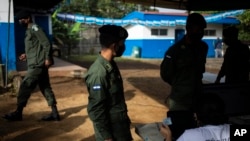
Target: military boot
53, 116
16, 115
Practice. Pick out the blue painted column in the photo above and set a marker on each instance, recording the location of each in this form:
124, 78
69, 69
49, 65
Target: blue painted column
7, 38
45, 22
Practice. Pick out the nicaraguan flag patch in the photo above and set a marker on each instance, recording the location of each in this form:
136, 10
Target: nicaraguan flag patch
96, 87
167, 56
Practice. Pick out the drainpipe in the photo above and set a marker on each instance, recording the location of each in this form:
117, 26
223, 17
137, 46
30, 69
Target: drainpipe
7, 48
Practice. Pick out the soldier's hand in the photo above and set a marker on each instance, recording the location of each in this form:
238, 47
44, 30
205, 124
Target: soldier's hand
166, 132
47, 63
22, 57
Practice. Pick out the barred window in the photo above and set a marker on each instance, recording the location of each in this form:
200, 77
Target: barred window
159, 32
210, 32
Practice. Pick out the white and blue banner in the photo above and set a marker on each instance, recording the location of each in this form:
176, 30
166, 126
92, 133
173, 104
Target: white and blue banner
215, 18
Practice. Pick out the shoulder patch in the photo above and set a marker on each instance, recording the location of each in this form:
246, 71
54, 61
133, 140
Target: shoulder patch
108, 66
96, 87
35, 27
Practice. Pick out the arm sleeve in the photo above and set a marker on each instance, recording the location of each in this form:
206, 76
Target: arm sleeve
222, 70
167, 66
44, 41
97, 107
204, 57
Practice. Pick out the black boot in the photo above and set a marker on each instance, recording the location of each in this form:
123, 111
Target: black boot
16, 115
53, 116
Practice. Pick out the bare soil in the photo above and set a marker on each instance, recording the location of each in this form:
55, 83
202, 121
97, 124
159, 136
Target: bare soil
145, 93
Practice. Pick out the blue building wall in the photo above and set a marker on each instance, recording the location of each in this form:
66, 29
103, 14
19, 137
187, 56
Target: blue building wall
151, 48
19, 38
210, 52
4, 47
43, 22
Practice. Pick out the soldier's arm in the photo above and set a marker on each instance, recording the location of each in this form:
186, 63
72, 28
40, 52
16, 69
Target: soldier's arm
222, 71
204, 57
43, 39
97, 107
167, 66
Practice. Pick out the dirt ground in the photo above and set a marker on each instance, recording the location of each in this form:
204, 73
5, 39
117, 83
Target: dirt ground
145, 93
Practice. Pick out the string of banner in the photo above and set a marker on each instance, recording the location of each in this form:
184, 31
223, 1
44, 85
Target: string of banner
122, 22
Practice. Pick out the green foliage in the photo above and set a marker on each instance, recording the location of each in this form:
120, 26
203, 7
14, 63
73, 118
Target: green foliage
101, 8
244, 27
66, 34
208, 12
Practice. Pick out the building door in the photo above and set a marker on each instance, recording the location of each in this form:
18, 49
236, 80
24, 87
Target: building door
179, 33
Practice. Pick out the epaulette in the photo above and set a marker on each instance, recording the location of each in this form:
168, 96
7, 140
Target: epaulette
108, 67
34, 27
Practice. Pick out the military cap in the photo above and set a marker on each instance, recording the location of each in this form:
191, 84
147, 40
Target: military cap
23, 14
112, 33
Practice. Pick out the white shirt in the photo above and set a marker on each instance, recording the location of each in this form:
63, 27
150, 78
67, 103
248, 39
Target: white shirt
207, 133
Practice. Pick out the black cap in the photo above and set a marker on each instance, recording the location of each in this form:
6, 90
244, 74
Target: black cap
112, 33
23, 14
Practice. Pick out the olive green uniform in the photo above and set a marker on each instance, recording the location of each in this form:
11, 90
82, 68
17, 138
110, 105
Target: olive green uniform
106, 107
183, 68
37, 50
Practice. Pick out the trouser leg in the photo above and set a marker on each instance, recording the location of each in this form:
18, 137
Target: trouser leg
45, 87
27, 86
44, 84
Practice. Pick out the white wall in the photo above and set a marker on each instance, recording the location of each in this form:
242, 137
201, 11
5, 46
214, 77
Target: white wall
4, 11
143, 32
218, 28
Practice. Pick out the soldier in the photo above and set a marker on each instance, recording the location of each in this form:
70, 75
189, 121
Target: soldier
106, 103
236, 64
182, 68
39, 59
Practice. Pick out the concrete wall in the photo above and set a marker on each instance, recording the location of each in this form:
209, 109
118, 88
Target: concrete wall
155, 46
7, 42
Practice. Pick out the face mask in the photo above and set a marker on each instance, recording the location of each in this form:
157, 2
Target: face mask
195, 33
22, 23
196, 37
119, 50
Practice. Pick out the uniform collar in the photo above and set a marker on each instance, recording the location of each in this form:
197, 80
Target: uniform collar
30, 25
106, 64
